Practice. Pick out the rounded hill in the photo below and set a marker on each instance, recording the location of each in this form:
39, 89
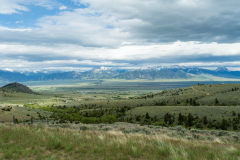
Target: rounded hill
17, 87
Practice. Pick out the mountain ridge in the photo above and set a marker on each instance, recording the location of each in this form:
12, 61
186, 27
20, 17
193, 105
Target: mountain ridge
157, 72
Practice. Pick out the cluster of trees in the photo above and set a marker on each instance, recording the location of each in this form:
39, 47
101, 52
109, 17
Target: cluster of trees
187, 121
174, 97
97, 114
92, 114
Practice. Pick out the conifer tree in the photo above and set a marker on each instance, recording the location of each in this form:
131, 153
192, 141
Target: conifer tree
205, 121
190, 101
234, 113
147, 116
223, 124
235, 126
190, 120
194, 103
180, 119
216, 101
138, 118
237, 121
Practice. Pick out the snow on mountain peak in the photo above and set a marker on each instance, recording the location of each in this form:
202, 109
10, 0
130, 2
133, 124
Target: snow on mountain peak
105, 68
144, 68
222, 69
99, 69
8, 69
158, 68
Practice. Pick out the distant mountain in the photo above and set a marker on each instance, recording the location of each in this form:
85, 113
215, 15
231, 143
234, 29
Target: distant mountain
12, 76
222, 69
40, 73
219, 72
173, 68
148, 73
63, 75
95, 73
120, 70
100, 73
17, 87
158, 72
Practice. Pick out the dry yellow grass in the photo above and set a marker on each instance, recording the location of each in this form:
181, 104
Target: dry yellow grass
34, 142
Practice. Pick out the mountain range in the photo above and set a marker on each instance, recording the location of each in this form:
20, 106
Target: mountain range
158, 72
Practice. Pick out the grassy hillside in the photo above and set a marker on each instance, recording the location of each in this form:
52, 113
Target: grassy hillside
34, 142
17, 87
122, 120
212, 106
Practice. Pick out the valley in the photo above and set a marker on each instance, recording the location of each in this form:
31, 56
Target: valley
136, 97
164, 114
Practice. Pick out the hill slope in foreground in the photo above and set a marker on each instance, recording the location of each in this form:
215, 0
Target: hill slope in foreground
17, 87
34, 142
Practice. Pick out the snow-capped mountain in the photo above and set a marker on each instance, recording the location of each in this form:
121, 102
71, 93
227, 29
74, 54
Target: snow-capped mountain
159, 68
39, 73
157, 72
101, 69
222, 69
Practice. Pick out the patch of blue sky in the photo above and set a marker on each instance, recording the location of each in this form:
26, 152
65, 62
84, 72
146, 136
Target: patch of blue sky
28, 19
95, 14
109, 26
73, 4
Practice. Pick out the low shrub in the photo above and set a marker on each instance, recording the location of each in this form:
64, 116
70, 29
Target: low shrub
189, 137
84, 128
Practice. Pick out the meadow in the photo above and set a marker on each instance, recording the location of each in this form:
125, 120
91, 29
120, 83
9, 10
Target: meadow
73, 119
138, 98
37, 142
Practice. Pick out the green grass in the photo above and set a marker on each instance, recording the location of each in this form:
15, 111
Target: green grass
203, 94
31, 142
139, 142
212, 112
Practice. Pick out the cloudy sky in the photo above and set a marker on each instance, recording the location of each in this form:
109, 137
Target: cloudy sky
81, 34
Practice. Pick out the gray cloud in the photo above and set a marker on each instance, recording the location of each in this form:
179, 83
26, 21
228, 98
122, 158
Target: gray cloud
204, 59
137, 33
184, 20
137, 21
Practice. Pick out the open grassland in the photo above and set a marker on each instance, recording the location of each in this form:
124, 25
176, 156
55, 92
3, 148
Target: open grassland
114, 119
21, 113
94, 100
34, 142
58, 92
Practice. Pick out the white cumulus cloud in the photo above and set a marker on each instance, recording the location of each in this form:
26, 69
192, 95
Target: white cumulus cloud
62, 8
19, 22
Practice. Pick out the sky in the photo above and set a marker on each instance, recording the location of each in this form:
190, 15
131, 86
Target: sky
82, 34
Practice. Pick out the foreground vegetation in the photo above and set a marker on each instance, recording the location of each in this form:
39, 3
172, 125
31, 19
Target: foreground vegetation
36, 142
